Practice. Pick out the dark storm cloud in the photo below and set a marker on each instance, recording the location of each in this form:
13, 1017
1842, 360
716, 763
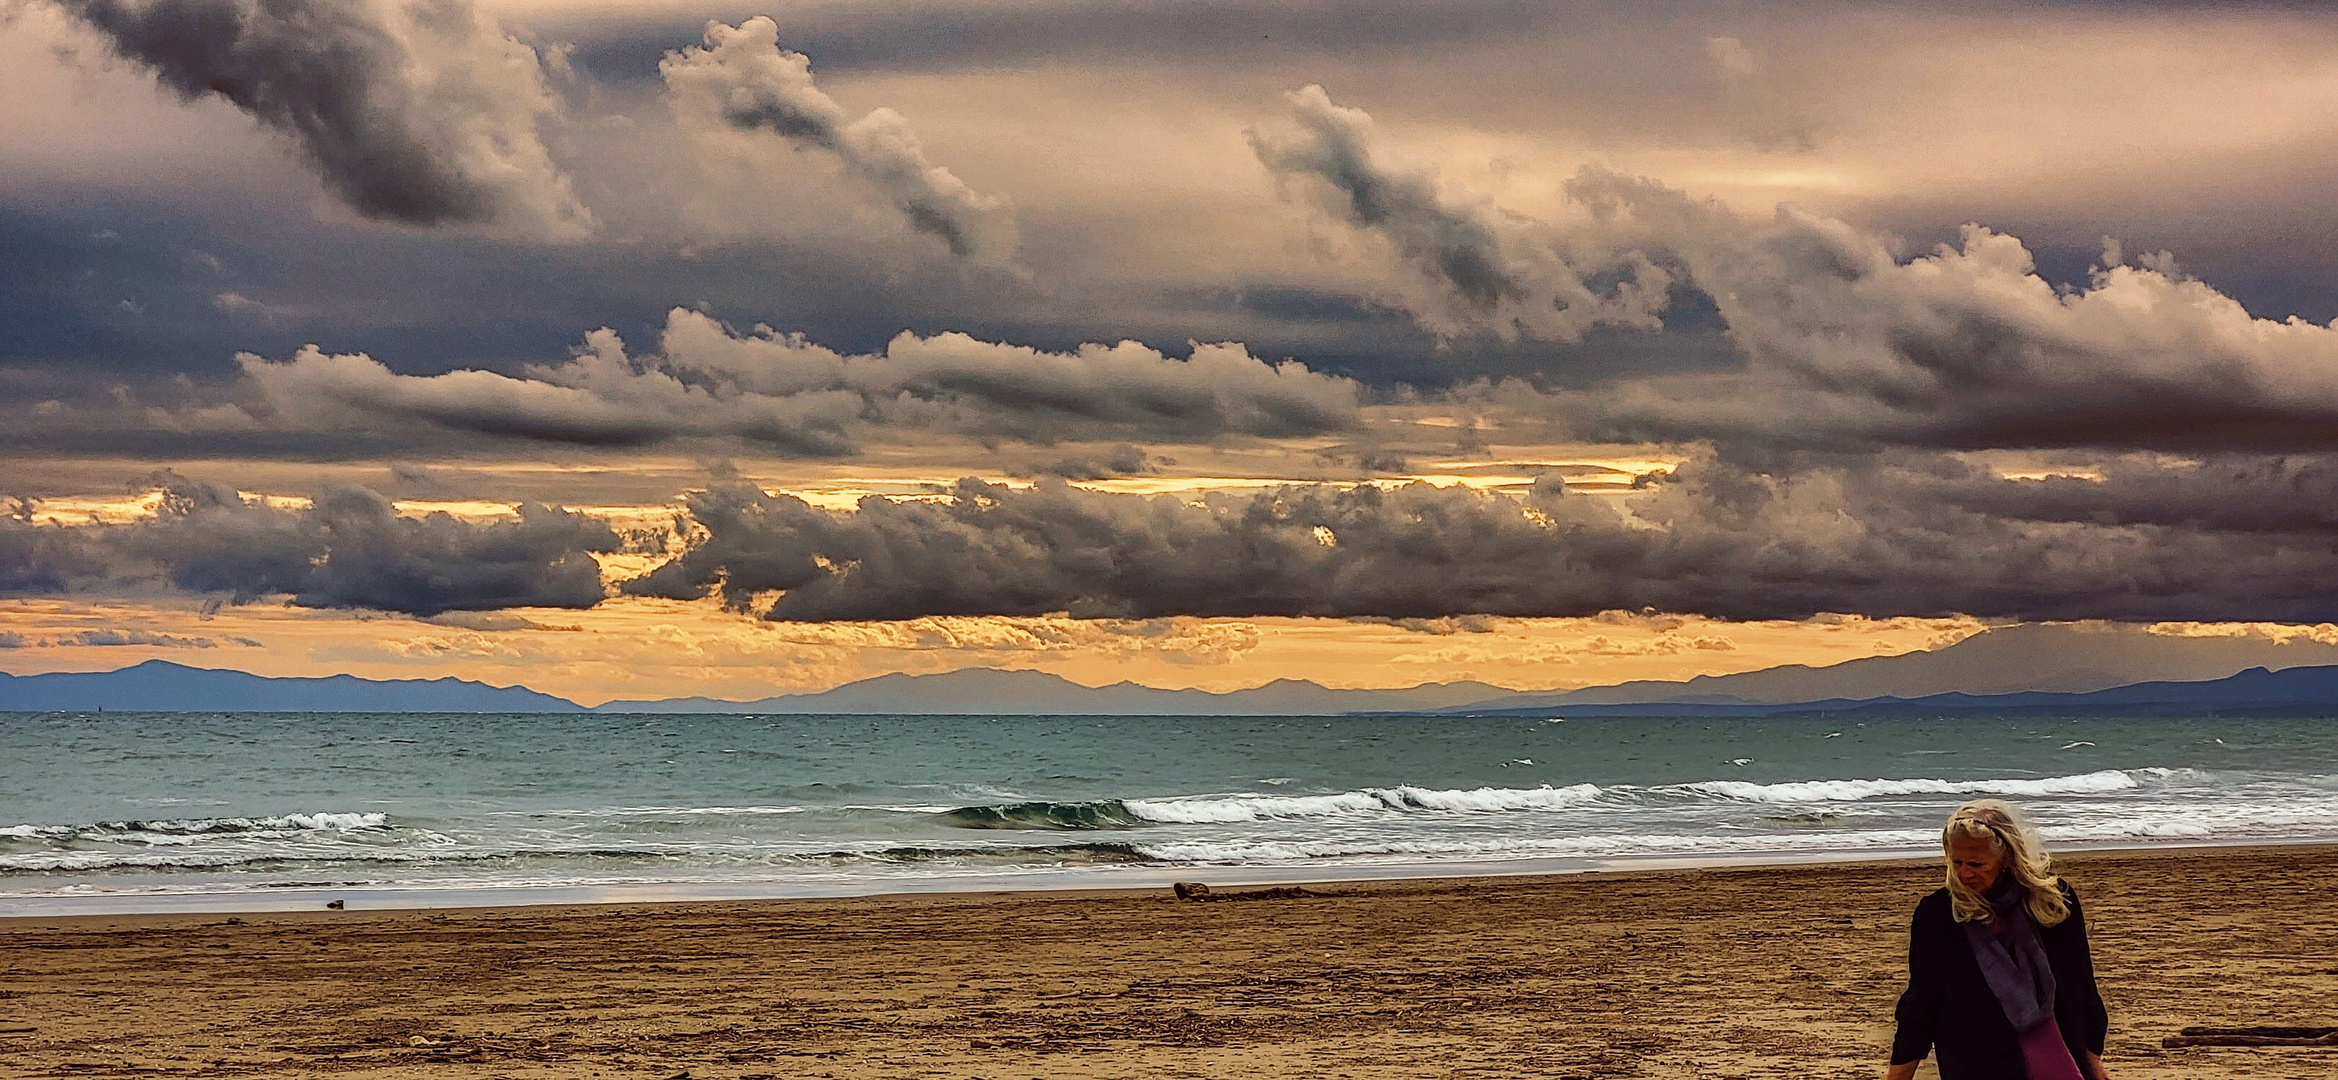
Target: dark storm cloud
43, 560
421, 112
795, 397
133, 305
430, 302
1822, 336
1844, 341
1117, 461
2295, 496
928, 36
1487, 269
744, 80
1963, 347
1456, 246
349, 549
1880, 538
939, 35
1897, 533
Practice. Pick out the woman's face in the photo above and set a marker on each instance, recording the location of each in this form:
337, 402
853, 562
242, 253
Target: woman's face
1976, 861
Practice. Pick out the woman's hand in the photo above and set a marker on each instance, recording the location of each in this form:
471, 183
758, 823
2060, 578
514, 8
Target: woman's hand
1901, 1072
2094, 1067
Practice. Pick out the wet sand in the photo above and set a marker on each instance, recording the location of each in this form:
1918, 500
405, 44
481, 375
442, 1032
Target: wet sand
1775, 972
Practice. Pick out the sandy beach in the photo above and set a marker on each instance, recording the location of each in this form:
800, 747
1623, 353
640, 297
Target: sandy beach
1771, 972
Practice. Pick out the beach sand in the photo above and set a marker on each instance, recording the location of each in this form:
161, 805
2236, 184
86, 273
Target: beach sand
1774, 972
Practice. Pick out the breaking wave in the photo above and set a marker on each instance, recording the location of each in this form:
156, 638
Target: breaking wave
781, 840
1232, 809
1810, 791
1048, 854
1228, 809
1103, 814
186, 830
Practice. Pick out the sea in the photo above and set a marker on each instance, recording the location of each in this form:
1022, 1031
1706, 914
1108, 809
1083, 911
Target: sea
139, 812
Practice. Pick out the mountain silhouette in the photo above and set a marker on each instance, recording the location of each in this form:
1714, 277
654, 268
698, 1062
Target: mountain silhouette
162, 686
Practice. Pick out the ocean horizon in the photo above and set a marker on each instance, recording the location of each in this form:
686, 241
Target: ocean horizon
152, 812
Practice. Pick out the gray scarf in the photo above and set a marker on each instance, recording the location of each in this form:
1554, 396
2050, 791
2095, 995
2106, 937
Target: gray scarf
2012, 959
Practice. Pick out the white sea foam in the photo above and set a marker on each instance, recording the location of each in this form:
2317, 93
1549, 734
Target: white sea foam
183, 860
1542, 798
1810, 791
176, 830
1231, 808
2165, 823
2167, 830
1228, 809
282, 823
700, 811
328, 821
1602, 845
220, 841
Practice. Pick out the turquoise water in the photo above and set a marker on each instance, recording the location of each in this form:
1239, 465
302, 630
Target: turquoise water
119, 811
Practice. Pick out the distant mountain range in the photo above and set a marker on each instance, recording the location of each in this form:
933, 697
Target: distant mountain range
2305, 691
2030, 669
2059, 658
988, 691
161, 686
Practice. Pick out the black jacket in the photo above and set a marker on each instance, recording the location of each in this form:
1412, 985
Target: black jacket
1949, 1010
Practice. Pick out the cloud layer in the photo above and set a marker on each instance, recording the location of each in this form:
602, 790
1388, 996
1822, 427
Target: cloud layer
1479, 267
1925, 536
349, 549
789, 395
422, 112
1966, 346
1898, 534
741, 80
1847, 394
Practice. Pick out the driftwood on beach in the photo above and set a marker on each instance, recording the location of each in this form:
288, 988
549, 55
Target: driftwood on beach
2253, 1036
1194, 890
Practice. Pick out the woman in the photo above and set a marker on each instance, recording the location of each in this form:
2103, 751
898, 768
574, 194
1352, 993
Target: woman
2000, 983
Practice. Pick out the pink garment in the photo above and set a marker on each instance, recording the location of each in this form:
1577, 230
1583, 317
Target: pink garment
2048, 1058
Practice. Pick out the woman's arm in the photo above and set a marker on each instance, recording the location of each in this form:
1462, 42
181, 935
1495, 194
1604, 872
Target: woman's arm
2093, 1065
1919, 1008
2095, 1017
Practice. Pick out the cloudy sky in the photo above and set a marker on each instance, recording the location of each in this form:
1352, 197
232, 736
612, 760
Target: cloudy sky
646, 349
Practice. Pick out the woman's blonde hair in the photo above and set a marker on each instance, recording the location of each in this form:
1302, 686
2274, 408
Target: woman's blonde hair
2025, 858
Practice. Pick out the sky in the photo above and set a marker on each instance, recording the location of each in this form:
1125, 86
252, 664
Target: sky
657, 349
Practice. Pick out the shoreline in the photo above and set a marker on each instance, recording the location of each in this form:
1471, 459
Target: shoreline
1035, 883
1775, 972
